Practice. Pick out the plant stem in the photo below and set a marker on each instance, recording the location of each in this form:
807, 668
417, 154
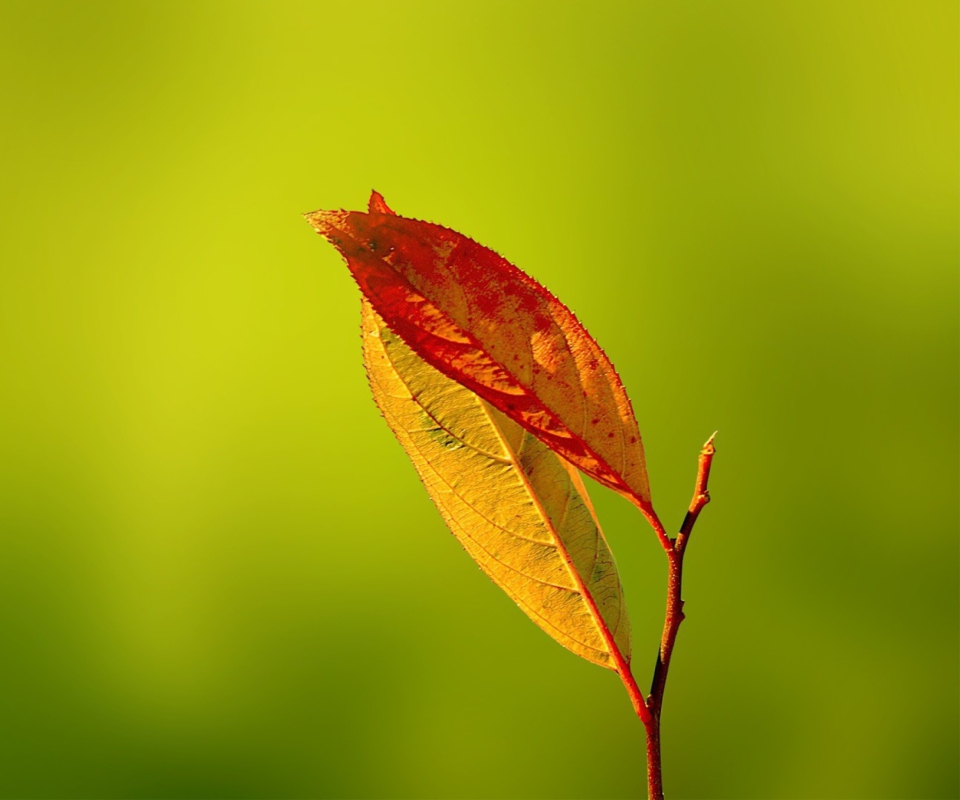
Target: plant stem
674, 616
654, 774
636, 695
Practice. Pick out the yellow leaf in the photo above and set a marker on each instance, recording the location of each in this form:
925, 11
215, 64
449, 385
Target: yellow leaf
517, 508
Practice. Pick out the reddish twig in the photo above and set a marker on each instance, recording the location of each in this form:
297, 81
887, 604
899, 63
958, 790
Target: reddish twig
672, 619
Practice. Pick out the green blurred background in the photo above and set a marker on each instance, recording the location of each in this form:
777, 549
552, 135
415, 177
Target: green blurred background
219, 574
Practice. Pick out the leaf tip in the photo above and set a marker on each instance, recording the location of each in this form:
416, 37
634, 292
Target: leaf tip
378, 205
327, 223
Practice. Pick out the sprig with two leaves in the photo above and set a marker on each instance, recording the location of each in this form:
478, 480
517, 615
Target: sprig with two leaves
501, 399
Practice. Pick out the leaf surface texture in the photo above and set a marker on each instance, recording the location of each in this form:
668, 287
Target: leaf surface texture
518, 509
487, 325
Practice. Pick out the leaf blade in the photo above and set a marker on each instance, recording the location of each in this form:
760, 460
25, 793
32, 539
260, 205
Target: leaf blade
484, 323
517, 508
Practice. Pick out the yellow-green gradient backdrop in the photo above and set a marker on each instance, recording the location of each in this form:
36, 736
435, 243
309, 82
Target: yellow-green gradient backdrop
219, 574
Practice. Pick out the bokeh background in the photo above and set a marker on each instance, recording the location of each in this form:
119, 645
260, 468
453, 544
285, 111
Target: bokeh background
219, 575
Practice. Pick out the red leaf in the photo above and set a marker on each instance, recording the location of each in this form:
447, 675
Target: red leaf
482, 322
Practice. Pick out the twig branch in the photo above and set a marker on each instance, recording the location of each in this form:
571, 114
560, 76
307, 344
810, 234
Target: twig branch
674, 616
701, 496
